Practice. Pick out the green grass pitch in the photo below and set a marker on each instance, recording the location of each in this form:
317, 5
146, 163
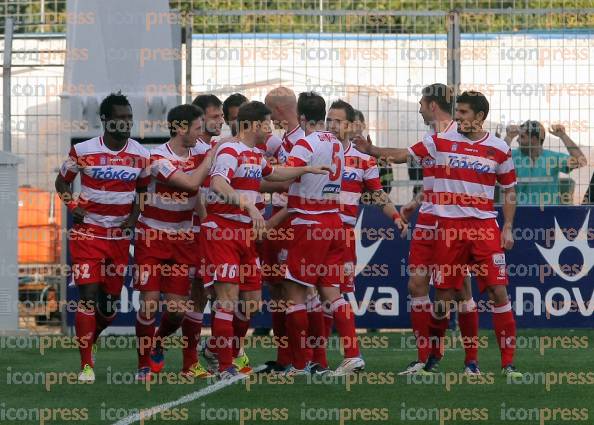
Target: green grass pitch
558, 387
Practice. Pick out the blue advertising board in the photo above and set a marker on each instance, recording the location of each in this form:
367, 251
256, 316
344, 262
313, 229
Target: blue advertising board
550, 272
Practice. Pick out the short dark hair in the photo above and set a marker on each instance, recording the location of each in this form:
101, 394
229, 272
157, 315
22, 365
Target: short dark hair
359, 116
251, 112
312, 106
203, 101
236, 99
182, 116
534, 129
346, 107
441, 94
107, 104
476, 100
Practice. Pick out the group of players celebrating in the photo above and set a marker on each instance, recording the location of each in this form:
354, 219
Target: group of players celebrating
194, 209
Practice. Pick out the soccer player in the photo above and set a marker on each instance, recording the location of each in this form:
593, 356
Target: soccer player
360, 177
467, 167
112, 169
213, 117
315, 260
435, 107
233, 223
231, 108
164, 246
282, 103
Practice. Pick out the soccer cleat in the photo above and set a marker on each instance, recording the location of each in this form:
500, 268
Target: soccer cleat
273, 367
86, 374
212, 362
157, 359
291, 371
431, 365
348, 366
242, 363
472, 369
511, 372
196, 371
143, 374
228, 373
413, 368
317, 369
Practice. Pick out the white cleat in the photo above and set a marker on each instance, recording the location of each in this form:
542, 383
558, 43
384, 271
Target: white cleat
413, 368
349, 366
86, 374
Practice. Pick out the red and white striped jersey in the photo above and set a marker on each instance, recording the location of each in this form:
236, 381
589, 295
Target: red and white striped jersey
465, 173
270, 148
202, 148
316, 193
109, 180
279, 200
168, 208
243, 167
360, 174
426, 217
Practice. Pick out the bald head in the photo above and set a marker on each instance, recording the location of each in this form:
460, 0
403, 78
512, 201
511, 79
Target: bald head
283, 104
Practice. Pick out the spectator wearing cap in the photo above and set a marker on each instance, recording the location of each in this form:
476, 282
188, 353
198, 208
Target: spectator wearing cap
537, 168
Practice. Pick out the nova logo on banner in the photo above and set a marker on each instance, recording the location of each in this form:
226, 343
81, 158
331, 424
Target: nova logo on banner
553, 254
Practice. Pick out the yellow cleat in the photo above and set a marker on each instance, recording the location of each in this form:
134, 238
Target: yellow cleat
197, 371
242, 363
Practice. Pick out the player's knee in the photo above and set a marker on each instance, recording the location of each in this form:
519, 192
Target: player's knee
418, 287
88, 295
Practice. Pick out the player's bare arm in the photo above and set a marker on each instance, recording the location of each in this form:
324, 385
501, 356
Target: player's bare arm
289, 173
193, 180
222, 188
137, 207
64, 190
381, 199
391, 155
509, 211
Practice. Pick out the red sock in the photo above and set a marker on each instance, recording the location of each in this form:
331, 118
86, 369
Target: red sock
283, 353
145, 335
84, 323
504, 326
437, 330
420, 316
297, 326
468, 320
169, 324
191, 327
222, 332
344, 318
241, 324
317, 331
101, 323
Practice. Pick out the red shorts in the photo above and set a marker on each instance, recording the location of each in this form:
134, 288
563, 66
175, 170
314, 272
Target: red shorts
96, 260
420, 254
347, 284
163, 264
315, 256
468, 244
230, 254
273, 253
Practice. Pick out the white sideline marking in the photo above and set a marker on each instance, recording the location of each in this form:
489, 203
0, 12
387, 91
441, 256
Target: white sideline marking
147, 413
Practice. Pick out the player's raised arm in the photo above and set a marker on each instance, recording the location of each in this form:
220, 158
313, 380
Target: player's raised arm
289, 173
391, 155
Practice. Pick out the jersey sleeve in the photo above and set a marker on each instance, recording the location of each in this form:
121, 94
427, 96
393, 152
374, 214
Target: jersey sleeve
371, 178
266, 168
70, 167
161, 168
300, 155
144, 177
225, 163
506, 173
